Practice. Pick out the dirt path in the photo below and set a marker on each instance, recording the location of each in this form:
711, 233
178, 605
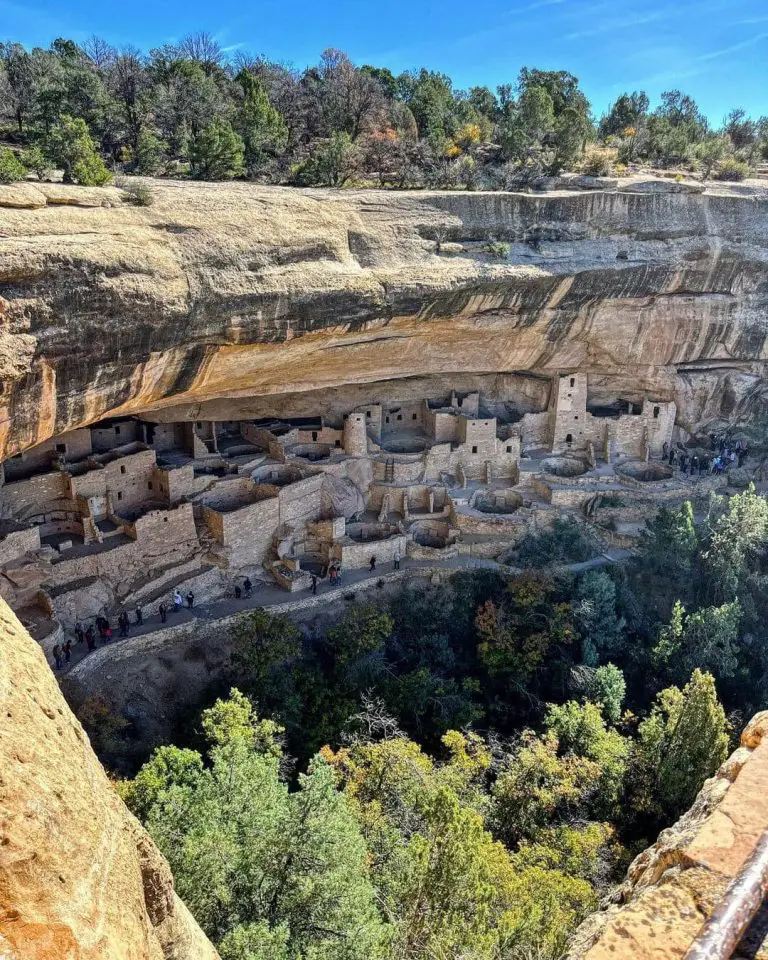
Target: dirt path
274, 598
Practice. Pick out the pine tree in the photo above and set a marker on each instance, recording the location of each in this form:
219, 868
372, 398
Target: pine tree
260, 125
217, 152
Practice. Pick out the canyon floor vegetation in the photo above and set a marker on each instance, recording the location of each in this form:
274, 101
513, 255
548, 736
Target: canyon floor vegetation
464, 770
190, 110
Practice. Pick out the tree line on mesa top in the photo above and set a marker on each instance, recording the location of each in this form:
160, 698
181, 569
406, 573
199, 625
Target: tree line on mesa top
187, 109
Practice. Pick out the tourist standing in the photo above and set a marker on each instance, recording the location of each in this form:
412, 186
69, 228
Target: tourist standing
314, 584
122, 622
163, 611
67, 649
79, 634
397, 559
57, 657
139, 616
190, 600
178, 602
90, 638
373, 563
248, 586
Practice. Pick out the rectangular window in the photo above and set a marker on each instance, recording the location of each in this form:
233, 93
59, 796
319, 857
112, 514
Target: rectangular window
474, 449
122, 469
117, 429
573, 381
61, 448
368, 414
509, 449
149, 484
413, 416
119, 495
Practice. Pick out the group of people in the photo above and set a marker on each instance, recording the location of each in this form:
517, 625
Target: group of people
247, 587
62, 652
693, 464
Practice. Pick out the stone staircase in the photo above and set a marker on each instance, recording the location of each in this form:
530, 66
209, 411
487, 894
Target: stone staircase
761, 173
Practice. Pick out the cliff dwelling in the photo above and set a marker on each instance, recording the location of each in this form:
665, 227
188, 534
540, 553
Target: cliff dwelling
128, 511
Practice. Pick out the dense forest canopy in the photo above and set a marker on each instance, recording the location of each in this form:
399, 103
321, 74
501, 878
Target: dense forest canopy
187, 109
460, 770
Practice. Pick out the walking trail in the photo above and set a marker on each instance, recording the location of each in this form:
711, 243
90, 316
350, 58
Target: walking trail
274, 598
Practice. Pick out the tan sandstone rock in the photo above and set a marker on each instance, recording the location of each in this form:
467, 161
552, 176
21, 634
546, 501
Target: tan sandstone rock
79, 877
247, 300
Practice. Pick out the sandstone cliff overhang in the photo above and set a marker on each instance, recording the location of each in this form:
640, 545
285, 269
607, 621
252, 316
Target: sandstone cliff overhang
233, 292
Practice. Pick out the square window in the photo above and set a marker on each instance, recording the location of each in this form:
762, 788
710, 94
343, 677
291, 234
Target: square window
165, 519
199, 425
474, 449
399, 416
509, 449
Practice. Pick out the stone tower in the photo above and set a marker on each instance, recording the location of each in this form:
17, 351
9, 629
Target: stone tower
355, 435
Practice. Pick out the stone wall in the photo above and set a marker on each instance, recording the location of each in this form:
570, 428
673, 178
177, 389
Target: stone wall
15, 543
129, 480
115, 435
33, 498
354, 556
176, 483
403, 416
157, 528
301, 501
247, 532
442, 425
73, 445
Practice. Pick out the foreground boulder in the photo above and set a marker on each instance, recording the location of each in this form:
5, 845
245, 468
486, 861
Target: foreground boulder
79, 877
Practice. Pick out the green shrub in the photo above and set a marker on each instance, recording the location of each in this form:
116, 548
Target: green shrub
11, 168
598, 162
732, 169
35, 160
498, 249
566, 542
151, 154
74, 148
136, 192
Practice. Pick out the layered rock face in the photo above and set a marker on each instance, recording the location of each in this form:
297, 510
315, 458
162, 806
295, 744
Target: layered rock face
239, 301
674, 886
79, 877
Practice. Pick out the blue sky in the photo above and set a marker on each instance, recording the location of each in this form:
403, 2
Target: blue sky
717, 50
